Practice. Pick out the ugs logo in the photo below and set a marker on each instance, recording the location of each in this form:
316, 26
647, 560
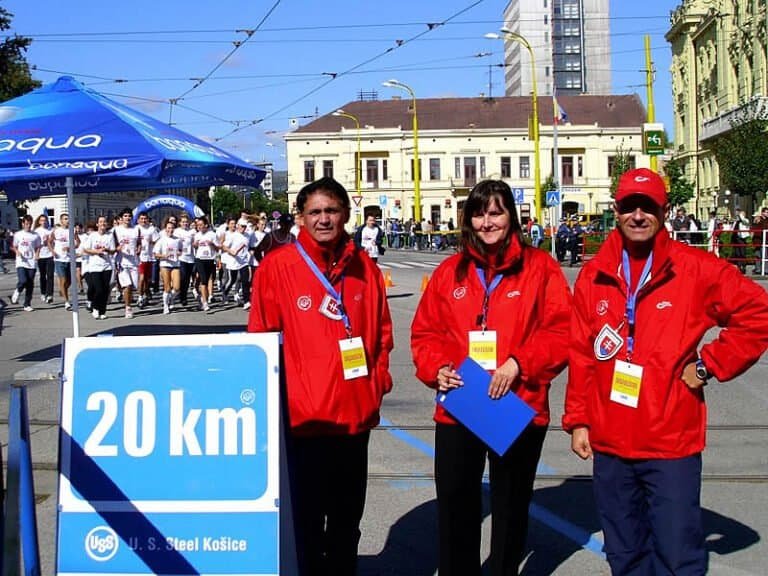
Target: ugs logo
101, 543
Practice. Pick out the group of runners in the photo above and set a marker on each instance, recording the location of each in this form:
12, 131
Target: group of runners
137, 263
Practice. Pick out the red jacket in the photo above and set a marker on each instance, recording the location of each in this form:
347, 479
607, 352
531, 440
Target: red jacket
530, 311
689, 292
286, 297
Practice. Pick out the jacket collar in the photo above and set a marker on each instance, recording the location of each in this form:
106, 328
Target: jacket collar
331, 261
609, 258
498, 263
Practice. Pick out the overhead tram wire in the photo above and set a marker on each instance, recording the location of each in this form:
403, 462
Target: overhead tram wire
333, 76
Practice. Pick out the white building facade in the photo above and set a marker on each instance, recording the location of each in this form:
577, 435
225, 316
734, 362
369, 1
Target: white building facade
460, 142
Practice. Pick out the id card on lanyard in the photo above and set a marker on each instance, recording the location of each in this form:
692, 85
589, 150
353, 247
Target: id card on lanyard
483, 347
351, 348
628, 377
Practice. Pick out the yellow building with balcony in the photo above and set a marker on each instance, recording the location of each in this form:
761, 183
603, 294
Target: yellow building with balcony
719, 68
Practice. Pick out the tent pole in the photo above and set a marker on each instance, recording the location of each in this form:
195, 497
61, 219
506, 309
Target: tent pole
74, 293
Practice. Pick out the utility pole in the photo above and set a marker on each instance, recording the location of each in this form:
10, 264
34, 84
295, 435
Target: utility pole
649, 77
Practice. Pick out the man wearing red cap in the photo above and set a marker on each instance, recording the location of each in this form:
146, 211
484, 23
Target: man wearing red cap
634, 400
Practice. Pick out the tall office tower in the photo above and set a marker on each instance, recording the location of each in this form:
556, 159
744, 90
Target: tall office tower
571, 43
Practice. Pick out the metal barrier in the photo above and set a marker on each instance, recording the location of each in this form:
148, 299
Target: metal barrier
20, 519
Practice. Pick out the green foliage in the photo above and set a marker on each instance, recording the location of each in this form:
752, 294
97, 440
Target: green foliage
742, 153
15, 78
621, 165
226, 202
681, 190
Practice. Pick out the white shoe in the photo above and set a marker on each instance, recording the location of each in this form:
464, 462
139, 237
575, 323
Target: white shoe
95, 314
247, 306
103, 317
28, 309
206, 308
166, 310
15, 297
129, 312
43, 299
67, 306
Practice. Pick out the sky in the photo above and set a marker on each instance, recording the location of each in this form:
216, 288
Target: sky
240, 71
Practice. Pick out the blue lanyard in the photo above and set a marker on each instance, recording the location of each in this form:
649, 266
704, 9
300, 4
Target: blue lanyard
631, 309
329, 287
483, 319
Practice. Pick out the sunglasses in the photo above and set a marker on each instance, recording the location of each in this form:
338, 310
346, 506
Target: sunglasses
632, 203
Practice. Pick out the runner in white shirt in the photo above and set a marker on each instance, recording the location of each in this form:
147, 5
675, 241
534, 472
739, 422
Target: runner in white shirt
149, 236
26, 247
206, 247
226, 259
81, 236
128, 242
236, 247
45, 259
61, 259
168, 250
100, 247
187, 258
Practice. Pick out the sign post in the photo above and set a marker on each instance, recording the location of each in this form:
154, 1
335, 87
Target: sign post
170, 469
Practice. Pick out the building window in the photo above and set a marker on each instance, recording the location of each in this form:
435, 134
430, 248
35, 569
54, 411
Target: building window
470, 171
384, 170
525, 167
327, 168
482, 166
580, 166
457, 167
309, 170
413, 171
506, 167
372, 172
566, 174
612, 165
434, 168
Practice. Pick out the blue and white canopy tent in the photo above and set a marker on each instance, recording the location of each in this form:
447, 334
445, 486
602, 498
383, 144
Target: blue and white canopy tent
66, 138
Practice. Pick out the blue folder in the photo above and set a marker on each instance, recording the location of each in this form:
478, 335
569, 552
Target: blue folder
499, 422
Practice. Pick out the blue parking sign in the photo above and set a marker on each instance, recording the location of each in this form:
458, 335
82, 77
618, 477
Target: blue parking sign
169, 455
519, 194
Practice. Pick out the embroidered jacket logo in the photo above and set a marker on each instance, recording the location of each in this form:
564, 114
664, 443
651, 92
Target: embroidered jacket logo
663, 304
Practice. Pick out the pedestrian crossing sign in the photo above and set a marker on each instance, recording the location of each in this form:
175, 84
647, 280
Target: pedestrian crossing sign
553, 198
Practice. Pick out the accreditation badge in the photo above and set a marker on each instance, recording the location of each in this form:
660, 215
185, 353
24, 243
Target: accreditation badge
625, 387
608, 343
353, 358
482, 348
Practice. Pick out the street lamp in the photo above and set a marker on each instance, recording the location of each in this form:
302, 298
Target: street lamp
392, 83
507, 34
358, 160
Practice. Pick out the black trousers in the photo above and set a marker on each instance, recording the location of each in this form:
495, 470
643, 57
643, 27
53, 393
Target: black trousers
45, 265
187, 271
100, 281
328, 485
459, 465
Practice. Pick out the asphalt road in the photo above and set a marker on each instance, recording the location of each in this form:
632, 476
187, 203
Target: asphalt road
399, 524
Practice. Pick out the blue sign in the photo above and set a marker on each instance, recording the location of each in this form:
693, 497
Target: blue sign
383, 200
519, 194
553, 198
170, 467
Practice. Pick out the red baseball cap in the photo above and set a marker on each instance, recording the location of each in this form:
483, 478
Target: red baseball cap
642, 181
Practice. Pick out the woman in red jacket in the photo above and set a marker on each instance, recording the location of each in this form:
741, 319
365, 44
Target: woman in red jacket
498, 291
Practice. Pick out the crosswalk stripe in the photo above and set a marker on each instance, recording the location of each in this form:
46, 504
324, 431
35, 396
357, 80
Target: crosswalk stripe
394, 265
421, 264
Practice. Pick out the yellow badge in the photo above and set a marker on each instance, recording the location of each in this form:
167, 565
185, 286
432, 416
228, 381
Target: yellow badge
625, 388
482, 348
353, 358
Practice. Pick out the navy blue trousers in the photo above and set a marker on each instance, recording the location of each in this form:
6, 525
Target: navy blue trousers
651, 515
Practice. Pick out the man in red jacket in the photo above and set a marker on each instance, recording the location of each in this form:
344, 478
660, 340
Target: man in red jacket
635, 400
329, 301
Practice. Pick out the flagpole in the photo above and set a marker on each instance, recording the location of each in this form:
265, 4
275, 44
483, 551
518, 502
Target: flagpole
74, 297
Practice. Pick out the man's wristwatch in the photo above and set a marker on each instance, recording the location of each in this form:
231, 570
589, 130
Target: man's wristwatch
701, 371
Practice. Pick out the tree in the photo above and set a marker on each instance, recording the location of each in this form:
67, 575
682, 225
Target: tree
226, 203
680, 188
742, 153
622, 162
15, 78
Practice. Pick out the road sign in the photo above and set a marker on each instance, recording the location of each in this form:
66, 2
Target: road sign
170, 471
519, 194
653, 139
383, 200
553, 198
357, 200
